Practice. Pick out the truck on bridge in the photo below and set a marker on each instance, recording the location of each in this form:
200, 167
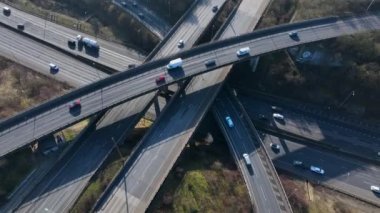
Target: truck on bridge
88, 43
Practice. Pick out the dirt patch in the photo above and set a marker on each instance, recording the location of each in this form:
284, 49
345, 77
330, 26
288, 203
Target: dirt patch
21, 88
306, 197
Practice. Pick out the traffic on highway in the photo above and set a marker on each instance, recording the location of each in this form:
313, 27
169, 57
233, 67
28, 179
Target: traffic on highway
131, 116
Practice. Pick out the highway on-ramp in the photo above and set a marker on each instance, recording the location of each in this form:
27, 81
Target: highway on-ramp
111, 54
53, 115
64, 184
260, 177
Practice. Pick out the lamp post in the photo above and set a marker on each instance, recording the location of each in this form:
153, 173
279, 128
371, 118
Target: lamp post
351, 94
370, 4
125, 183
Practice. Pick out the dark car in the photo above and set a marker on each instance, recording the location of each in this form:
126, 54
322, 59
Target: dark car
275, 147
20, 26
130, 66
7, 11
71, 43
214, 9
160, 79
293, 35
210, 63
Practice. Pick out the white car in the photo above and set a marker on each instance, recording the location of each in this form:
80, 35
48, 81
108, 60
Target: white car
181, 43
317, 170
375, 189
278, 116
243, 51
246, 159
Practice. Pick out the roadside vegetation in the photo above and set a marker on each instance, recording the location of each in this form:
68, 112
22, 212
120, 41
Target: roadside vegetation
170, 10
204, 178
13, 169
21, 88
305, 197
285, 11
99, 18
353, 61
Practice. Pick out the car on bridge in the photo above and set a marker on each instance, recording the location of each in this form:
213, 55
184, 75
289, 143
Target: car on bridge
160, 79
181, 43
293, 35
229, 122
6, 11
74, 105
53, 67
375, 189
243, 51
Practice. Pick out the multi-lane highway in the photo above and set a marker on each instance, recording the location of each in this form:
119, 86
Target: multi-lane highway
166, 139
342, 173
33, 55
54, 114
111, 54
151, 21
335, 134
62, 187
263, 184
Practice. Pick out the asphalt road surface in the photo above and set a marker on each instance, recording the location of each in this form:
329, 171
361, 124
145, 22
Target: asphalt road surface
342, 173
33, 55
54, 117
151, 21
62, 187
326, 131
241, 141
163, 144
111, 54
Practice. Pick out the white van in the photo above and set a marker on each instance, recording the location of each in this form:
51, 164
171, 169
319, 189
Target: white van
243, 51
176, 63
246, 159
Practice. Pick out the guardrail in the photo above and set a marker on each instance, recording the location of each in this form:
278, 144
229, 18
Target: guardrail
171, 32
83, 59
48, 14
261, 149
25, 115
311, 108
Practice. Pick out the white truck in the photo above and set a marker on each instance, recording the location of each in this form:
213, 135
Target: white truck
88, 43
176, 63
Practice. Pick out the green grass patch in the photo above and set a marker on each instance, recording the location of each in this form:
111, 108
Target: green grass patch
13, 169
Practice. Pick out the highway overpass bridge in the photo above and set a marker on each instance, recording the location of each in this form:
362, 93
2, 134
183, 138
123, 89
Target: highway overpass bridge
54, 114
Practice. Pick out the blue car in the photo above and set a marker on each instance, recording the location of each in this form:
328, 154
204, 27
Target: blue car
229, 122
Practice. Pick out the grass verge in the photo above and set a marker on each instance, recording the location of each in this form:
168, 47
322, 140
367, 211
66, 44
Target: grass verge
306, 197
